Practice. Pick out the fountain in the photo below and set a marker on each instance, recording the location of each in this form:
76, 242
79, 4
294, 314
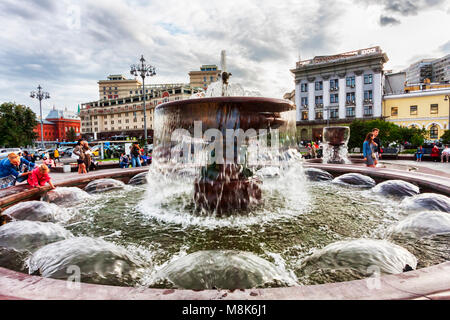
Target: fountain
232, 125
335, 148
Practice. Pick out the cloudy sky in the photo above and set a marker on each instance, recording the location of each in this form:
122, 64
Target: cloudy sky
67, 46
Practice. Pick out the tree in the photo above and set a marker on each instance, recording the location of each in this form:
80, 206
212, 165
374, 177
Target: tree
17, 123
389, 133
71, 135
446, 137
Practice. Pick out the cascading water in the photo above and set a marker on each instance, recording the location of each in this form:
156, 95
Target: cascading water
335, 149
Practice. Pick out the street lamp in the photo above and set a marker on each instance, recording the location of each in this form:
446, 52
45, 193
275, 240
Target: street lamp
40, 95
447, 98
143, 70
327, 109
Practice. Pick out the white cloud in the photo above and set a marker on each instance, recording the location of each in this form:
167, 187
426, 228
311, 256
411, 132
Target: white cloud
67, 46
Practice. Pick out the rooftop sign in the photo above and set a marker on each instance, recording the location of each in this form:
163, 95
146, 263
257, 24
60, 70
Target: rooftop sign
323, 59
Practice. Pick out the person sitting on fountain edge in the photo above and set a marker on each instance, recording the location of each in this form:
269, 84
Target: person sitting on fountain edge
124, 161
39, 177
9, 173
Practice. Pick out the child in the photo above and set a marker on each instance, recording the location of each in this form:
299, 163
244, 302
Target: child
39, 177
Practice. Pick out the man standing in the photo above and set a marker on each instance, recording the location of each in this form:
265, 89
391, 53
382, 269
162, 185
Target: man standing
375, 132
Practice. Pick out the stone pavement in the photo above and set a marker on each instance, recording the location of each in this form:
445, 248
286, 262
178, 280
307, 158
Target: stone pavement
429, 167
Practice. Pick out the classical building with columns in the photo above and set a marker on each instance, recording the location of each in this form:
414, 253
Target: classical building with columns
338, 89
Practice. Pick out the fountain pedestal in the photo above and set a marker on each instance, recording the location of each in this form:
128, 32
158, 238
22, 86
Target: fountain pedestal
231, 189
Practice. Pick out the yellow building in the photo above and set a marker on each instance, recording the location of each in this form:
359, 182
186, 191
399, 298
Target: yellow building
117, 87
203, 78
422, 108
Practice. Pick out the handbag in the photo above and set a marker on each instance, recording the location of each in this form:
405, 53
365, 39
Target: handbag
74, 156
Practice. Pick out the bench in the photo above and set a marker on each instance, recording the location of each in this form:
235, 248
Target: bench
427, 155
390, 152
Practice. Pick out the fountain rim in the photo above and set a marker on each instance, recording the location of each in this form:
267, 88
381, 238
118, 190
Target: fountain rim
425, 283
234, 99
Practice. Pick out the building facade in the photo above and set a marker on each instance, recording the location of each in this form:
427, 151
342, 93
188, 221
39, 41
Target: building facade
436, 70
203, 78
338, 89
57, 124
117, 86
421, 108
125, 116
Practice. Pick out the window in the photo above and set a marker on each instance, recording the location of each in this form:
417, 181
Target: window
304, 101
319, 99
334, 84
112, 121
304, 87
204, 79
368, 111
211, 78
319, 85
413, 110
368, 78
334, 113
394, 111
350, 112
319, 115
304, 115
350, 97
350, 82
434, 109
434, 132
368, 96
334, 98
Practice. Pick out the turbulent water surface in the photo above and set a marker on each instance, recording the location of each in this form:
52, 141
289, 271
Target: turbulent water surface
158, 223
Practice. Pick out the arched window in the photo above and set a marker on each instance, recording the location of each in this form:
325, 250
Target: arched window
434, 132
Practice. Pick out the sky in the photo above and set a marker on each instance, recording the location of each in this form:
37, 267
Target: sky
67, 46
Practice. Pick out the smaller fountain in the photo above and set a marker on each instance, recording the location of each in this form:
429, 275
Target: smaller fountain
335, 149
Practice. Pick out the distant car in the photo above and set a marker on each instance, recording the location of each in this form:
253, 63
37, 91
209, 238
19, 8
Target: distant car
5, 151
68, 152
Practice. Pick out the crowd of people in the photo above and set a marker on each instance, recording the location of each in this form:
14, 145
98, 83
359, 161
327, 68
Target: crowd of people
137, 157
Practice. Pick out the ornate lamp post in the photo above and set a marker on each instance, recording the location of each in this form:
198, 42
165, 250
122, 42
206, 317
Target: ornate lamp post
40, 95
143, 70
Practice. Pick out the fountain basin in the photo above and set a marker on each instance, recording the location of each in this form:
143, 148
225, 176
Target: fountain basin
430, 282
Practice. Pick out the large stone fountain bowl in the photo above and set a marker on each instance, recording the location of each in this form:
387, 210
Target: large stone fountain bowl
224, 113
336, 136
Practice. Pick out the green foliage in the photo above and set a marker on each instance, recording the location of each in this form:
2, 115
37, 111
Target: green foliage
409, 151
389, 133
16, 125
417, 140
71, 135
446, 137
